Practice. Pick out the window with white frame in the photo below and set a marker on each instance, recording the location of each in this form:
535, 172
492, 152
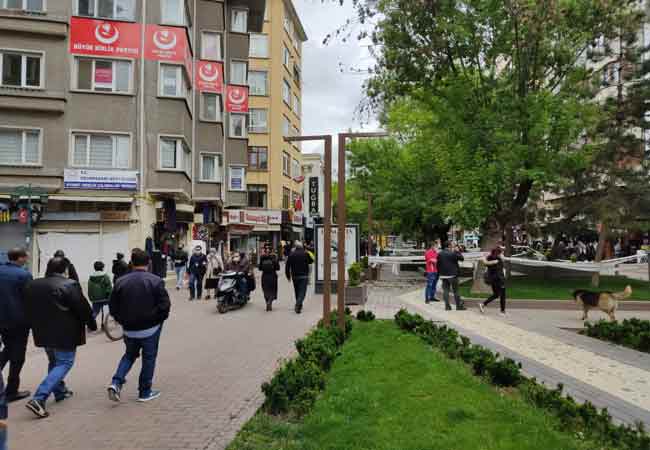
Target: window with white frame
236, 178
175, 154
174, 12
25, 5
285, 127
210, 107
257, 121
238, 125
258, 82
21, 69
286, 56
296, 104
107, 9
259, 46
238, 72
101, 151
295, 168
103, 75
211, 46
286, 92
286, 164
210, 168
239, 21
20, 147
173, 82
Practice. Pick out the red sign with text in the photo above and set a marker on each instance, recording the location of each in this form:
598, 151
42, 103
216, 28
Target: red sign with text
209, 76
237, 99
165, 44
104, 38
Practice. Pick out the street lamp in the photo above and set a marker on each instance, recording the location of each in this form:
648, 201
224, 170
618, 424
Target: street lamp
327, 221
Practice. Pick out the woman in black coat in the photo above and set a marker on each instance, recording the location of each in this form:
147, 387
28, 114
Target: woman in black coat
269, 267
495, 277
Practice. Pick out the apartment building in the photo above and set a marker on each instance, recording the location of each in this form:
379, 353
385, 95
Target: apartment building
123, 121
274, 181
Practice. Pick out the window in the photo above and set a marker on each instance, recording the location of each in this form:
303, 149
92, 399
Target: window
211, 46
257, 121
174, 12
258, 158
286, 198
286, 56
20, 147
285, 127
101, 151
238, 72
259, 46
257, 196
27, 5
175, 155
238, 126
258, 82
237, 179
210, 107
20, 69
239, 21
296, 104
295, 168
103, 75
107, 9
286, 162
173, 82
288, 24
210, 168
286, 92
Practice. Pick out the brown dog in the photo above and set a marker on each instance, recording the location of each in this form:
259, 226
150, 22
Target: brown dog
605, 301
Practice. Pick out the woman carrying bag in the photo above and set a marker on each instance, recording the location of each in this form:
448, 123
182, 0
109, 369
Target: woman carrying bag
215, 267
269, 267
495, 277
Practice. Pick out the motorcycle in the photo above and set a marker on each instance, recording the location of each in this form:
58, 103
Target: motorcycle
229, 296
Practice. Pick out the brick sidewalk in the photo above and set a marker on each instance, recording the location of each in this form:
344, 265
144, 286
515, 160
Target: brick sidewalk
210, 369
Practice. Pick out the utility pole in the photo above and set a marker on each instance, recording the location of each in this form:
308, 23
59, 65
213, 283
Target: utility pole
369, 224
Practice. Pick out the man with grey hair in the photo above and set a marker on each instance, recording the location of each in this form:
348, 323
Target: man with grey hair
297, 270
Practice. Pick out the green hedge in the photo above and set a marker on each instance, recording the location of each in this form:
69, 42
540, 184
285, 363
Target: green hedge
632, 333
365, 316
574, 417
296, 385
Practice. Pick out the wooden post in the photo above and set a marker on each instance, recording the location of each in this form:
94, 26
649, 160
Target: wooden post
341, 222
327, 232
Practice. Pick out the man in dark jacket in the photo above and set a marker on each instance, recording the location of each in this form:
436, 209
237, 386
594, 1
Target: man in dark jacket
120, 267
59, 313
197, 267
70, 271
140, 303
14, 327
448, 272
297, 270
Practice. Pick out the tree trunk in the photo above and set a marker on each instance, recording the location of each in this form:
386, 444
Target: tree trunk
508, 250
600, 252
492, 237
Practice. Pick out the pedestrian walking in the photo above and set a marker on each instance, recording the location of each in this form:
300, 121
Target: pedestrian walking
99, 288
215, 267
180, 265
14, 324
448, 271
59, 313
297, 270
431, 267
495, 277
70, 271
269, 266
120, 267
140, 303
198, 265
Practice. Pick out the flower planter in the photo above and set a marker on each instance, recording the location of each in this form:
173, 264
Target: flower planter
357, 295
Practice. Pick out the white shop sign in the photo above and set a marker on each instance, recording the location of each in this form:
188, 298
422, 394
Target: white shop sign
104, 180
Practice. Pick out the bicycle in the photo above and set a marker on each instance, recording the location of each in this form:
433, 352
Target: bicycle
111, 328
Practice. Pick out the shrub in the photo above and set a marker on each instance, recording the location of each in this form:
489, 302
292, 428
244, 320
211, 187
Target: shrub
293, 387
365, 316
319, 347
632, 333
504, 372
364, 263
354, 275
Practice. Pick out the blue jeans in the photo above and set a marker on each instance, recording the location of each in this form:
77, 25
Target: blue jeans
432, 283
3, 415
196, 285
300, 289
60, 363
180, 275
149, 348
243, 286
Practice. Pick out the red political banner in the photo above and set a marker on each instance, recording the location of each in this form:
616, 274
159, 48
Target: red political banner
209, 76
104, 38
237, 99
165, 44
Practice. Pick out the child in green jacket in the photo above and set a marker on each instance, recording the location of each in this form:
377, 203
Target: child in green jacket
99, 288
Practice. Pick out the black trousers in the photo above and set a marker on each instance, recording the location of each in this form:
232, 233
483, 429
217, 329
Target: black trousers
13, 352
498, 291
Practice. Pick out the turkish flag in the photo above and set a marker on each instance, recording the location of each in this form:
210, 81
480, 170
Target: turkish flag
209, 76
23, 215
237, 98
298, 204
104, 38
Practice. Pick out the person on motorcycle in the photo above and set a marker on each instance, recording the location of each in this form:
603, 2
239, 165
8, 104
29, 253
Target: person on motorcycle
239, 263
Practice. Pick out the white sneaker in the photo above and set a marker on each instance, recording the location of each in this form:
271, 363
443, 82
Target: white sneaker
502, 314
482, 308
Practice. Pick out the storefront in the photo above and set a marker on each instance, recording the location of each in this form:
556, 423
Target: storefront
250, 230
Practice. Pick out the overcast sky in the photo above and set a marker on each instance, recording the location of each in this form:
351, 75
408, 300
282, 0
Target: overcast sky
330, 98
